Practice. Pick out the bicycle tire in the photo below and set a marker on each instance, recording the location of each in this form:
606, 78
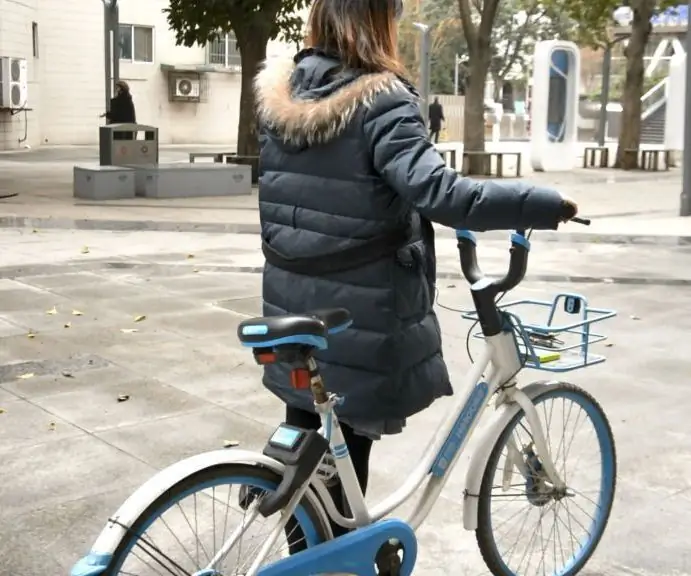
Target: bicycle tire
484, 534
260, 476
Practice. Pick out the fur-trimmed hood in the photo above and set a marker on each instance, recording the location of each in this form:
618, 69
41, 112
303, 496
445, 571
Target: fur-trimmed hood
311, 99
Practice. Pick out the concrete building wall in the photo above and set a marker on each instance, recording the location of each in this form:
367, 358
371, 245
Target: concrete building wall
66, 77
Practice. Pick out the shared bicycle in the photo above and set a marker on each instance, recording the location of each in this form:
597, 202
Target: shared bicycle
234, 512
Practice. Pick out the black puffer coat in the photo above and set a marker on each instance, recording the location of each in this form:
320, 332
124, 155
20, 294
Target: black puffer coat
345, 158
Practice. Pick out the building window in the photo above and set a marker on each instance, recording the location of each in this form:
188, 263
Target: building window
136, 43
223, 51
34, 38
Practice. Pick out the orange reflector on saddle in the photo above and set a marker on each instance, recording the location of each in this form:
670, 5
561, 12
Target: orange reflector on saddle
265, 357
300, 378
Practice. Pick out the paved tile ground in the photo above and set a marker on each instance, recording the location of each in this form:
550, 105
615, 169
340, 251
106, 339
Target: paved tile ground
70, 452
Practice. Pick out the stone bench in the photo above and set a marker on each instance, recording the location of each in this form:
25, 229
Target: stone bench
486, 158
596, 156
649, 159
94, 182
215, 156
185, 180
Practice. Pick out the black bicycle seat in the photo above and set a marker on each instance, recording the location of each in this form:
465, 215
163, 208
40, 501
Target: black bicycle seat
309, 329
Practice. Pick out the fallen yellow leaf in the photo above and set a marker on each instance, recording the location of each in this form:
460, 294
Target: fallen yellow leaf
53, 311
2, 410
31, 334
140, 318
85, 250
26, 376
128, 330
76, 313
68, 324
196, 270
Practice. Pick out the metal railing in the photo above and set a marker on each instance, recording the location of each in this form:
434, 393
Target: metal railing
654, 98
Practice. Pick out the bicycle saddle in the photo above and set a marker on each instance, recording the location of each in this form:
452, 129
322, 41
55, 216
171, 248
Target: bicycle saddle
310, 328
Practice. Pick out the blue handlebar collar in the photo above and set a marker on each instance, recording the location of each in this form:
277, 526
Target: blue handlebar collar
521, 240
467, 234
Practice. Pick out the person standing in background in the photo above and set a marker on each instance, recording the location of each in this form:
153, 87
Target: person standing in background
436, 117
121, 109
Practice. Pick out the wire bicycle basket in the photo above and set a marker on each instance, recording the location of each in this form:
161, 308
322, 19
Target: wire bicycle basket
555, 345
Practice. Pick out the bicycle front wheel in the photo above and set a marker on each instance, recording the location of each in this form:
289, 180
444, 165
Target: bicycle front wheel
185, 529
525, 525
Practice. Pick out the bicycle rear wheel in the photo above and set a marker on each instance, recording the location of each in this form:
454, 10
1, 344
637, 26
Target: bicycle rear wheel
570, 523
186, 527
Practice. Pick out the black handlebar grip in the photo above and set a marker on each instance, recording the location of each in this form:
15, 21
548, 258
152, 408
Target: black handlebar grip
518, 264
468, 257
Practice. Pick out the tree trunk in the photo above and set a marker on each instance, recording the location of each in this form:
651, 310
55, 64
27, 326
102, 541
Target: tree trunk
474, 114
252, 48
630, 133
497, 88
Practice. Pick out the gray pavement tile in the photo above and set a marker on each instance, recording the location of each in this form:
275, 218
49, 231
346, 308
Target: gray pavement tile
256, 403
124, 338
239, 384
65, 280
51, 473
230, 287
24, 424
6, 397
212, 323
42, 345
51, 368
98, 407
69, 381
151, 305
102, 291
165, 441
59, 533
248, 306
8, 328
24, 297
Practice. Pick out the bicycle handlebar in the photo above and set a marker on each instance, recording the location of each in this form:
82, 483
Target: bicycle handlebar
518, 263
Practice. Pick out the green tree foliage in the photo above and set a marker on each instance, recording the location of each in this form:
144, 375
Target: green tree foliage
518, 26
447, 41
254, 23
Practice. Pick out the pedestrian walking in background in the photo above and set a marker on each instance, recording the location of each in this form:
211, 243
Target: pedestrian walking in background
436, 117
121, 109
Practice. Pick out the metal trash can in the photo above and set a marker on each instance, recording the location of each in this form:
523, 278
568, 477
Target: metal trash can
126, 144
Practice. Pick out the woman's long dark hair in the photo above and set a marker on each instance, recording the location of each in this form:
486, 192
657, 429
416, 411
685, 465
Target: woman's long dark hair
362, 32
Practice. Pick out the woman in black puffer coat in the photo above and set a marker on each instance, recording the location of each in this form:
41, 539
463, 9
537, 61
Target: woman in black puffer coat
346, 162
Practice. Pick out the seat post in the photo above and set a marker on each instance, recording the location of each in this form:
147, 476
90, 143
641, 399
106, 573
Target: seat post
316, 382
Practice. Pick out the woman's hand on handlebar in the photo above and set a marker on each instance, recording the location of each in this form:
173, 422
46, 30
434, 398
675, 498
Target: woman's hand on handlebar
570, 208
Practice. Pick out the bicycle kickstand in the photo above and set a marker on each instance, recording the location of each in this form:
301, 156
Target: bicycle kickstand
387, 559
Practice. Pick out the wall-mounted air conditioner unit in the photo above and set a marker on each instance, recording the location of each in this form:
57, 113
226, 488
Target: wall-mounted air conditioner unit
14, 83
187, 88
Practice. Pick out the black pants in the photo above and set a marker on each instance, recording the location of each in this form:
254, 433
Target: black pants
359, 448
434, 134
